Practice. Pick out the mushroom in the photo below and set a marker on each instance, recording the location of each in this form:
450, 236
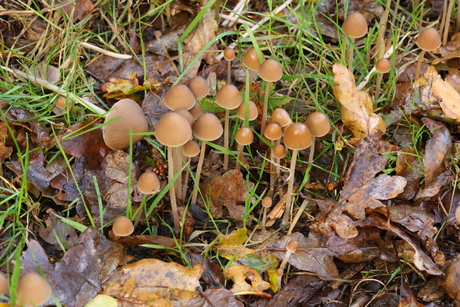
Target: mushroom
173, 130
189, 150
179, 96
199, 87
3, 284
252, 62
229, 55
319, 126
382, 66
266, 203
32, 290
244, 136
253, 111
279, 152
296, 137
428, 40
355, 26
281, 117
122, 226
148, 183
123, 120
270, 71
196, 110
207, 128
229, 98
273, 132
291, 247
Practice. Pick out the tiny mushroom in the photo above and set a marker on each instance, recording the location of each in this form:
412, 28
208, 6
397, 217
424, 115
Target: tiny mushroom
189, 150
279, 152
266, 203
199, 87
281, 117
196, 110
251, 60
129, 118
32, 290
382, 66
270, 71
229, 55
273, 132
355, 26
291, 247
122, 226
179, 96
252, 114
428, 40
148, 183
244, 136
3, 284
319, 126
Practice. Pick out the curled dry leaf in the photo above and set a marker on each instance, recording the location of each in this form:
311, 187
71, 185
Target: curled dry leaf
357, 110
240, 273
449, 98
408, 166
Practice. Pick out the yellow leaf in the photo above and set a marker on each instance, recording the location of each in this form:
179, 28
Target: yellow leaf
357, 112
241, 273
449, 98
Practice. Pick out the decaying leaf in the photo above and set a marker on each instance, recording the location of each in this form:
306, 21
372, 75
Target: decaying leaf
357, 110
58, 232
362, 190
300, 289
408, 166
77, 9
152, 278
5, 151
449, 98
240, 273
216, 297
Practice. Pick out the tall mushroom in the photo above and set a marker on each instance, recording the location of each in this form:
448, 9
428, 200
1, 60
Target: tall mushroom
428, 40
229, 98
207, 128
355, 26
229, 55
296, 137
270, 71
273, 132
244, 136
319, 126
173, 130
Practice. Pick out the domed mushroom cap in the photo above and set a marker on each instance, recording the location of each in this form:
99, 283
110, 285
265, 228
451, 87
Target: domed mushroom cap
253, 111
273, 131
208, 127
179, 96
229, 97
297, 136
191, 149
383, 65
173, 130
267, 202
122, 226
281, 117
251, 60
187, 115
279, 151
270, 70
116, 134
318, 124
429, 39
148, 183
244, 136
292, 246
355, 25
229, 54
3, 284
196, 110
199, 87
32, 290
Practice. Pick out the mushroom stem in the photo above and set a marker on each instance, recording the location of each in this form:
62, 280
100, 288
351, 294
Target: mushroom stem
272, 168
172, 192
178, 163
350, 54
229, 72
240, 149
310, 157
378, 83
198, 172
287, 212
265, 107
226, 138
419, 64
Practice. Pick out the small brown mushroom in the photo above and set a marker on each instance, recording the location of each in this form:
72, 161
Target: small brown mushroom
266, 203
244, 136
32, 290
199, 87
3, 284
122, 226
148, 183
281, 117
428, 40
319, 126
355, 26
382, 66
229, 55
270, 71
179, 96
291, 248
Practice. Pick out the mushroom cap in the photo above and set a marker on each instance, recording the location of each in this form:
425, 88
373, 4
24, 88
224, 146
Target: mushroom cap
179, 96
270, 70
187, 115
297, 136
267, 202
191, 149
199, 87
3, 284
279, 151
208, 127
148, 183
229, 97
429, 39
32, 290
273, 131
253, 111
355, 25
244, 136
173, 130
60, 102
292, 246
281, 117
229, 54
251, 60
122, 226
116, 134
318, 124
383, 65
196, 110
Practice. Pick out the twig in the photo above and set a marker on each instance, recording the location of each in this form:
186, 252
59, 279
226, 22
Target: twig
236, 10
58, 90
236, 19
106, 52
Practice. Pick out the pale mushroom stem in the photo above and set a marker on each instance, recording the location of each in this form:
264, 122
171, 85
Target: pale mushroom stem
272, 169
178, 163
350, 54
311, 155
226, 138
240, 149
198, 172
187, 177
229, 72
378, 83
172, 192
287, 212
419, 64
264, 110
264, 219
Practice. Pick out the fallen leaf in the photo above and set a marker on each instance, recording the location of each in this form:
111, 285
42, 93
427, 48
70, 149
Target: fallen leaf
300, 289
449, 98
77, 9
58, 232
5, 151
216, 297
102, 300
357, 110
240, 274
408, 167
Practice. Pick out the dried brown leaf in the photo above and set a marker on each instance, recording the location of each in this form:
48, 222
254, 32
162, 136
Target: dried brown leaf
240, 274
408, 166
57, 231
449, 98
357, 110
